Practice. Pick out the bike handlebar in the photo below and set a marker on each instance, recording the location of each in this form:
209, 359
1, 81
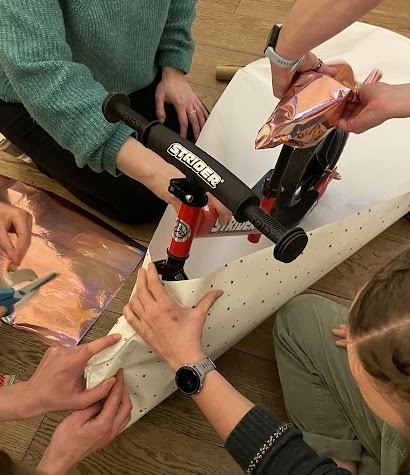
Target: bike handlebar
289, 243
206, 172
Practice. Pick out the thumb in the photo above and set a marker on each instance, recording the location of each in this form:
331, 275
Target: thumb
356, 124
91, 396
160, 107
7, 246
206, 303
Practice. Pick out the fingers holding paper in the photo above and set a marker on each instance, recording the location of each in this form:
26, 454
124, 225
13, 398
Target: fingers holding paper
173, 331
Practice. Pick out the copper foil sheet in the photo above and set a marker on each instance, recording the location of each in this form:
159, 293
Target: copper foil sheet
311, 108
92, 260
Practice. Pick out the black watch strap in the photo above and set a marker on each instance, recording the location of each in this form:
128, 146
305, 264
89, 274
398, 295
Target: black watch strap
273, 37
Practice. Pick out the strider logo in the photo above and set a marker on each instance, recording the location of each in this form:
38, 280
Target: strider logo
232, 227
196, 164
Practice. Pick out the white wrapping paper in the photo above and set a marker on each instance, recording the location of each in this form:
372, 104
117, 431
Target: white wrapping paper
372, 195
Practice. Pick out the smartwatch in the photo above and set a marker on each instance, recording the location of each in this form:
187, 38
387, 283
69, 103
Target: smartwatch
273, 56
190, 378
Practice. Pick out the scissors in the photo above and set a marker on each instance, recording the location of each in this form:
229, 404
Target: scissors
9, 297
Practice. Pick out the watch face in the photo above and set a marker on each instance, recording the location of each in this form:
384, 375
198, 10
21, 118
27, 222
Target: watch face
188, 381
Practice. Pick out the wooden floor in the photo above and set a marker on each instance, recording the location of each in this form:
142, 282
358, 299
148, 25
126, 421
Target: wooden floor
174, 438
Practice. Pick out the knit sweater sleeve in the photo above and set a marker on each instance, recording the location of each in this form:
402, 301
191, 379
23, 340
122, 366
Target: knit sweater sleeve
177, 46
262, 445
60, 95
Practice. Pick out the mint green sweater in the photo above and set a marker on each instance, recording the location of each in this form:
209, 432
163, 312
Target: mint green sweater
59, 58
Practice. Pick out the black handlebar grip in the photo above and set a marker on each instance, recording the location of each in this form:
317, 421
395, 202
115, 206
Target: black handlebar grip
289, 243
116, 107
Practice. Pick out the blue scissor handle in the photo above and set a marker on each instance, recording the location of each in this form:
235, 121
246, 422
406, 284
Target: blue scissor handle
8, 300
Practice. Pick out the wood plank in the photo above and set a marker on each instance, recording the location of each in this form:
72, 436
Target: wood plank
144, 449
235, 32
208, 57
391, 14
16, 436
273, 12
217, 6
346, 280
20, 353
122, 298
399, 232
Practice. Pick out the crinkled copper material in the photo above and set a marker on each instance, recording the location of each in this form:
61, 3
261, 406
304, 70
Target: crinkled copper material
92, 261
311, 108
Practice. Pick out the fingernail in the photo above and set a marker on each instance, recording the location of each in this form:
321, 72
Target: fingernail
117, 336
111, 381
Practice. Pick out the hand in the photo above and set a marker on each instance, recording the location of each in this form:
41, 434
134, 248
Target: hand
18, 221
54, 386
173, 331
378, 102
86, 431
282, 78
224, 215
342, 334
174, 89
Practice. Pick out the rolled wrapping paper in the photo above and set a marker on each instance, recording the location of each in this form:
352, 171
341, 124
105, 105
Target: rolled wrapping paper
311, 108
225, 72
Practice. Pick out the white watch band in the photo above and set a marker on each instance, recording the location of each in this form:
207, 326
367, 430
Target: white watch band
203, 367
274, 57
279, 61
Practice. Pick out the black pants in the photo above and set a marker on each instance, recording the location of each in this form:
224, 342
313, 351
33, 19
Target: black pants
120, 198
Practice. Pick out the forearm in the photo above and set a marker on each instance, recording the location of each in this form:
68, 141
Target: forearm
50, 465
141, 163
222, 404
400, 107
312, 23
14, 404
